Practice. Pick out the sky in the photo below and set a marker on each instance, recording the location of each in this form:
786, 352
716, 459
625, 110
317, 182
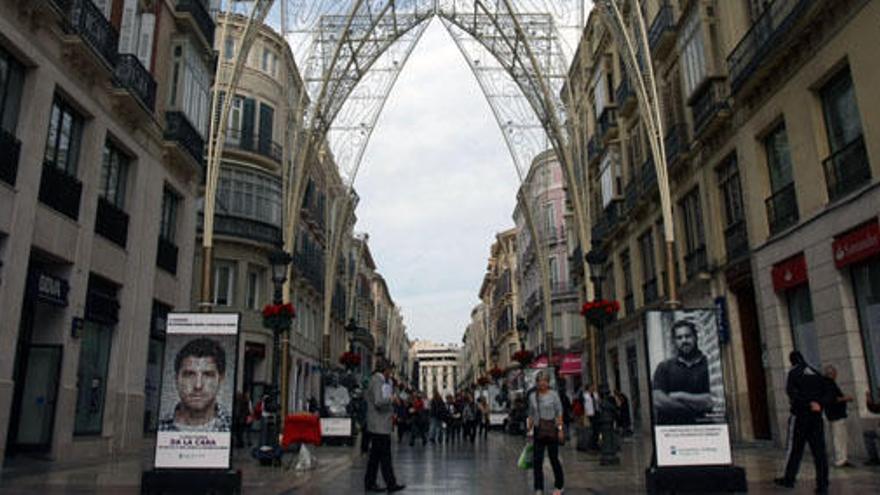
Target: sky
436, 184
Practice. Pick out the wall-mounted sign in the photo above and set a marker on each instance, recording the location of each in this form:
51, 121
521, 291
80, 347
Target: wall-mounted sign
857, 245
198, 387
51, 289
789, 273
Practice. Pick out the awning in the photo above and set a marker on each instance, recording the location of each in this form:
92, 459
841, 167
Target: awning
539, 362
571, 364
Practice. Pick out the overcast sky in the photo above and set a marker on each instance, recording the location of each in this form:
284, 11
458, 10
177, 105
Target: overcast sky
436, 184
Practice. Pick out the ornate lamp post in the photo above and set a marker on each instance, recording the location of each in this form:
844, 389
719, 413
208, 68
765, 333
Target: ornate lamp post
522, 328
350, 329
278, 318
597, 260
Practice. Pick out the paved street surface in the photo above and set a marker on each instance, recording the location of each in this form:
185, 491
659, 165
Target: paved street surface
483, 468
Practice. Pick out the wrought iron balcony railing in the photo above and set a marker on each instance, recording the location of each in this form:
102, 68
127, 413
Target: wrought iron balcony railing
310, 265
648, 176
629, 304
85, 19
676, 143
695, 261
166, 256
631, 195
707, 103
246, 228
847, 169
178, 129
561, 289
131, 74
111, 223
736, 240
649, 291
60, 191
252, 143
594, 148
782, 210
10, 150
662, 25
200, 14
624, 94
763, 38
607, 122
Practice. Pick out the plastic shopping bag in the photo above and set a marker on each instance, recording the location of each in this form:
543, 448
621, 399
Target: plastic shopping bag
305, 461
525, 457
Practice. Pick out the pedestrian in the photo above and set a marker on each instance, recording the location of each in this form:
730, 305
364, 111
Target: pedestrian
545, 430
623, 419
835, 413
807, 392
418, 420
591, 401
566, 406
241, 410
437, 412
380, 402
401, 419
453, 418
483, 405
469, 417
872, 437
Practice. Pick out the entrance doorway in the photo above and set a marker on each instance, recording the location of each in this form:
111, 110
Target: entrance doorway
753, 353
32, 430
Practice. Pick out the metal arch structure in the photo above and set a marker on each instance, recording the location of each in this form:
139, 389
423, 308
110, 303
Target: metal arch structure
631, 35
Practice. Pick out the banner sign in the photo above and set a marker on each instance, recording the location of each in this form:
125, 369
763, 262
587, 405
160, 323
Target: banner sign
335, 427
688, 408
197, 392
857, 245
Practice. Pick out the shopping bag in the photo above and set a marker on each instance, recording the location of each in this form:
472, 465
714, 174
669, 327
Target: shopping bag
305, 461
525, 457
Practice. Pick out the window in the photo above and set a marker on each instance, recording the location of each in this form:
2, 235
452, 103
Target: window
235, 115
634, 149
842, 121
554, 271
11, 83
65, 133
250, 194
693, 53
253, 288
693, 220
549, 220
866, 286
600, 91
609, 178
627, 274
803, 328
778, 158
224, 283
191, 85
229, 48
91, 378
646, 248
155, 356
731, 191
168, 224
136, 32
114, 173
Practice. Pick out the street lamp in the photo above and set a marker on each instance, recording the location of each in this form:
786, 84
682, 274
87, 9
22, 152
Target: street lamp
522, 328
597, 259
279, 260
350, 329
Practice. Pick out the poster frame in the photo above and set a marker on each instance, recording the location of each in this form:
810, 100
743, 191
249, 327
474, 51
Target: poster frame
234, 369
648, 370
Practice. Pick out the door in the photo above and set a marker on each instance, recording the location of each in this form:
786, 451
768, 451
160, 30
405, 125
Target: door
37, 417
753, 351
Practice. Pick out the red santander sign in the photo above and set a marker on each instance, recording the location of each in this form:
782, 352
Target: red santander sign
789, 273
856, 245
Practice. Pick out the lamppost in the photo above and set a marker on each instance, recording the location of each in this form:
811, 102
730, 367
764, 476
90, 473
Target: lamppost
522, 329
597, 260
279, 260
350, 329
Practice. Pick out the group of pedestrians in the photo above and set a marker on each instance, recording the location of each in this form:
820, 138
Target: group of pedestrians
457, 418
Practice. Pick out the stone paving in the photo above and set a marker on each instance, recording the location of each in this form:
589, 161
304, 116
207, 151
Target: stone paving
487, 467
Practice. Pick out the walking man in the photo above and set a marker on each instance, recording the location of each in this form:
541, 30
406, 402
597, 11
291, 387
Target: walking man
836, 414
807, 393
380, 399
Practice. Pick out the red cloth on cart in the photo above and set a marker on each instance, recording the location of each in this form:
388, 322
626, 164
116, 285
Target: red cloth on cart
301, 428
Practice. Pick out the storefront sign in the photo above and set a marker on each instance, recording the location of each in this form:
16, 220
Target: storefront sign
857, 245
571, 364
335, 427
789, 273
721, 316
52, 290
688, 407
198, 387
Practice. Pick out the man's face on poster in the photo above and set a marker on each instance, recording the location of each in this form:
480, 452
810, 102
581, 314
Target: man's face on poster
198, 382
685, 340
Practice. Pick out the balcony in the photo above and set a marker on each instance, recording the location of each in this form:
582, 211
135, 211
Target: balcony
649, 291
166, 256
245, 228
10, 149
782, 210
766, 41
60, 191
608, 124
252, 143
661, 34
132, 76
563, 289
676, 144
695, 262
630, 195
111, 223
709, 106
625, 97
736, 241
629, 304
648, 177
310, 266
553, 234
847, 169
85, 20
608, 221
179, 131
196, 14
594, 148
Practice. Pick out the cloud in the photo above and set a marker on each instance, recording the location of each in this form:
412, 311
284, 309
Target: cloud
436, 185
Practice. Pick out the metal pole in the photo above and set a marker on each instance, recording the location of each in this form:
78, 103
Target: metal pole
607, 407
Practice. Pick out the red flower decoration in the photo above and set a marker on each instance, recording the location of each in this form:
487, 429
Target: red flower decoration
601, 310
278, 315
483, 381
496, 373
523, 357
350, 359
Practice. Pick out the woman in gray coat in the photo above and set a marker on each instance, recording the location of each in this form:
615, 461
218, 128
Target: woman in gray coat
545, 429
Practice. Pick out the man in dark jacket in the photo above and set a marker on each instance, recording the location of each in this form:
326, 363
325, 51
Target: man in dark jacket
808, 395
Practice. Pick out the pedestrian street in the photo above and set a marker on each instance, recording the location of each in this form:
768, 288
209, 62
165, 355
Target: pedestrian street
486, 467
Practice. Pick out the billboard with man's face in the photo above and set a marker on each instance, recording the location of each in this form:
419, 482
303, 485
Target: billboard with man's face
198, 389
688, 406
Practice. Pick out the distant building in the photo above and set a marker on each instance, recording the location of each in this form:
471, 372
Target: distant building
438, 366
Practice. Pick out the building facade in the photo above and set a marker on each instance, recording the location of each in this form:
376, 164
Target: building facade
99, 175
772, 152
438, 366
499, 295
